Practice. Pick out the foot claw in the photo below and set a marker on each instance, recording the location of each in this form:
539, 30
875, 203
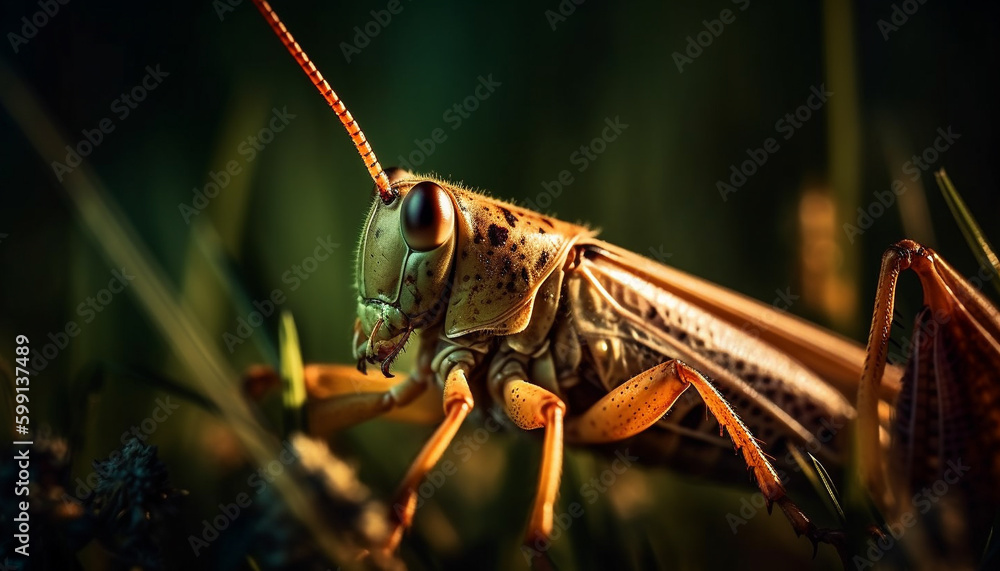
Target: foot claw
835, 537
803, 526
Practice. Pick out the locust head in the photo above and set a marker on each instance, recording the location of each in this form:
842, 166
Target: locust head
433, 252
404, 266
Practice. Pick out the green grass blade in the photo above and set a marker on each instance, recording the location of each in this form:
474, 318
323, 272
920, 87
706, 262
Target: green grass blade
208, 242
820, 479
292, 376
970, 228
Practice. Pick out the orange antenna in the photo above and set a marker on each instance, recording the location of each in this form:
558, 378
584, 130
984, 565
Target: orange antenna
360, 142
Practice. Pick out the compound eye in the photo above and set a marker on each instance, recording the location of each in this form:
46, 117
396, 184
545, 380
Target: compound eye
427, 217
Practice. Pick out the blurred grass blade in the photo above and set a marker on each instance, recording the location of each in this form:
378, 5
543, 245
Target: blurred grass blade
210, 244
292, 376
844, 143
970, 228
158, 382
122, 246
217, 234
92, 381
991, 551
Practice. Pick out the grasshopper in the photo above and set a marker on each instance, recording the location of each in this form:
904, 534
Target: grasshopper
593, 344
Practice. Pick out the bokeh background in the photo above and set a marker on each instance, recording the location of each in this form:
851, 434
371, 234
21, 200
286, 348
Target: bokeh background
653, 190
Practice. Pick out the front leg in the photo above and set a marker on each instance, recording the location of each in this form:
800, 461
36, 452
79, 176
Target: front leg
457, 405
341, 397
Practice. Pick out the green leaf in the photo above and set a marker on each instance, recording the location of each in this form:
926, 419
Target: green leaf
292, 376
820, 479
970, 228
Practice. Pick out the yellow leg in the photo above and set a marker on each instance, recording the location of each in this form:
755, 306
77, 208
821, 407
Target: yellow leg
340, 396
639, 402
530, 407
457, 404
629, 409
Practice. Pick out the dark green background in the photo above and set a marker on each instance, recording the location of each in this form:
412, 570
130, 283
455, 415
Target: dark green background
654, 188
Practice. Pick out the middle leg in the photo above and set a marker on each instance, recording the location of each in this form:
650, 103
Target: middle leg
530, 406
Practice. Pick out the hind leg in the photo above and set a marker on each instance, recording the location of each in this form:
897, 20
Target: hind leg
638, 403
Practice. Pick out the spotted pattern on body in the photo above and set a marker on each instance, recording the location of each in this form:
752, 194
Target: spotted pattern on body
509, 251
